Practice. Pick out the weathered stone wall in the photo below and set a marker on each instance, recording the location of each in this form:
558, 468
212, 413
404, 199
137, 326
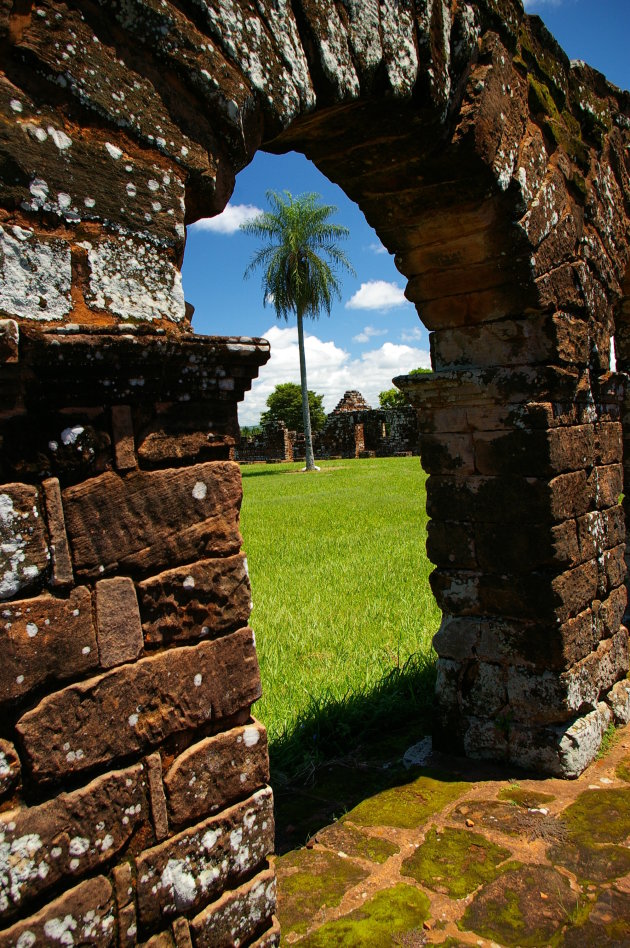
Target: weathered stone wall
498, 173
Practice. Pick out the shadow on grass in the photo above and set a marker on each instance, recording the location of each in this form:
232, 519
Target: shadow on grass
341, 751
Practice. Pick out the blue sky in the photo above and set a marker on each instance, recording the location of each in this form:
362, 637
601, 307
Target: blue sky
373, 332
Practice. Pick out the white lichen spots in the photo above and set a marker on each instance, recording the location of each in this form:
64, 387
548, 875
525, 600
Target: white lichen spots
153, 185
399, 48
131, 189
16, 105
70, 435
89, 201
26, 940
79, 845
86, 650
156, 206
200, 490
35, 276
236, 838
18, 865
73, 756
243, 778
39, 190
61, 140
179, 881
251, 736
56, 852
74, 864
107, 842
189, 582
31, 630
133, 720
209, 840
133, 280
113, 150
61, 929
197, 680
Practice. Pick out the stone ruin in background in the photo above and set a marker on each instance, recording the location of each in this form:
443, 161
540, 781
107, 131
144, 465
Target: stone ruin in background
135, 804
352, 430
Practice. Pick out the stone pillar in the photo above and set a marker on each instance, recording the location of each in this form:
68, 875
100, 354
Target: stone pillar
527, 535
133, 779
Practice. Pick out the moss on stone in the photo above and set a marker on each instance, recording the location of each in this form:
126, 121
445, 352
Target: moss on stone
351, 841
599, 816
591, 862
454, 862
393, 912
623, 769
527, 799
606, 923
309, 880
409, 805
524, 907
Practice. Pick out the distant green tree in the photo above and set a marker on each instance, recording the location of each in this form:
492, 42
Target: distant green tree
250, 431
393, 397
299, 257
285, 404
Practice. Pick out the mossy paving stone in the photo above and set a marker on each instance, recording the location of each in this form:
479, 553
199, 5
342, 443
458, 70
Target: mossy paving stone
454, 862
623, 769
608, 923
509, 819
409, 805
351, 841
524, 907
594, 823
527, 799
392, 917
309, 880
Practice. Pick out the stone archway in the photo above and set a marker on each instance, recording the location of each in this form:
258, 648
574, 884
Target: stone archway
498, 174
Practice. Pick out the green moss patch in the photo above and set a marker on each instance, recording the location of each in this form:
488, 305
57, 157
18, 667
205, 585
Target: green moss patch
527, 799
309, 880
454, 862
383, 921
607, 924
623, 769
409, 805
599, 816
591, 862
353, 842
525, 907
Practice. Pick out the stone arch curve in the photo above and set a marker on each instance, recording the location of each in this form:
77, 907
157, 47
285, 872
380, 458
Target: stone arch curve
498, 174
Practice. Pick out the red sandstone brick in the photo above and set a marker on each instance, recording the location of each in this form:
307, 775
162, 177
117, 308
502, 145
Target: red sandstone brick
269, 938
447, 453
608, 443
185, 872
606, 484
216, 772
502, 548
9, 341
70, 835
45, 640
238, 915
451, 544
534, 453
24, 553
135, 707
123, 437
84, 914
118, 627
612, 570
201, 600
148, 520
158, 800
600, 530
59, 549
181, 933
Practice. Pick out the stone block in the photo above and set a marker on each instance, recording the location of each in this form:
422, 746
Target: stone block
447, 453
618, 700
187, 871
608, 442
158, 799
270, 938
181, 933
204, 599
133, 708
59, 549
451, 544
24, 553
198, 431
70, 835
216, 772
563, 751
534, 453
83, 915
118, 627
9, 768
611, 569
600, 530
483, 689
9, 341
45, 640
123, 438
501, 548
238, 915
458, 637
149, 520
485, 740
605, 485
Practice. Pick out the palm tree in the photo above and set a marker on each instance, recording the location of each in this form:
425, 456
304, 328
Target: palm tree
299, 256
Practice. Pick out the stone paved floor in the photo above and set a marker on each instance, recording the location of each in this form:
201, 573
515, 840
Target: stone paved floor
453, 854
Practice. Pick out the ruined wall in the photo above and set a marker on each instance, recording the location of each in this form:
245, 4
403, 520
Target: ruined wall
498, 174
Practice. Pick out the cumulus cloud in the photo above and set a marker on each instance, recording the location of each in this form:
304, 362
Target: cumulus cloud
377, 248
377, 294
367, 334
330, 369
412, 335
536, 4
230, 220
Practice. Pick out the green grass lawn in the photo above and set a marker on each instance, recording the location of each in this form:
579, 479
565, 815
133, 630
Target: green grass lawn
343, 612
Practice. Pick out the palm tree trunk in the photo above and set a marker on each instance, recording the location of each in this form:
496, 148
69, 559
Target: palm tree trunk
306, 415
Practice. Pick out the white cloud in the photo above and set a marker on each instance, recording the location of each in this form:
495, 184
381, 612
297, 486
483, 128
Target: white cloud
534, 4
377, 294
230, 220
367, 333
330, 370
413, 335
378, 248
